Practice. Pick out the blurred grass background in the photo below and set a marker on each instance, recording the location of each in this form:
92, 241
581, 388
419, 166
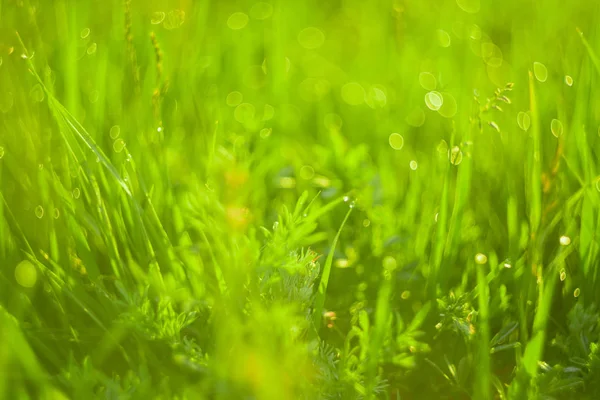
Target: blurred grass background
280, 200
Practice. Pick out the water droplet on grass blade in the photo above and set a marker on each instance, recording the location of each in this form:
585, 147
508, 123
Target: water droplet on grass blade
85, 32
26, 274
237, 21
76, 193
523, 120
389, 263
434, 100
480, 258
427, 81
540, 71
39, 211
413, 165
556, 127
576, 292
234, 98
565, 240
396, 141
455, 155
563, 274
568, 80
311, 38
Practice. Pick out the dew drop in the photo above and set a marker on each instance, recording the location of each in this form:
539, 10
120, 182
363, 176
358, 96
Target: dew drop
26, 274
39, 211
577, 292
568, 80
540, 71
76, 193
413, 165
237, 21
434, 100
389, 263
85, 32
556, 127
346, 198
565, 240
455, 155
56, 213
481, 258
563, 274
396, 141
366, 223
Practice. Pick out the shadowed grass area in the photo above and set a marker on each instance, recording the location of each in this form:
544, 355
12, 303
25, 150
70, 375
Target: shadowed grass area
299, 200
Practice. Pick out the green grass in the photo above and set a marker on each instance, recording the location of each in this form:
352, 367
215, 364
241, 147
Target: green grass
299, 200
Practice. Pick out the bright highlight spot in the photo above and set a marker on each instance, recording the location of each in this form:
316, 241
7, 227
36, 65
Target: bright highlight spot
396, 141
26, 274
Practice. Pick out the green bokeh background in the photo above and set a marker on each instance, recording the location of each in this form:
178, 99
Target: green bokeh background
190, 189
